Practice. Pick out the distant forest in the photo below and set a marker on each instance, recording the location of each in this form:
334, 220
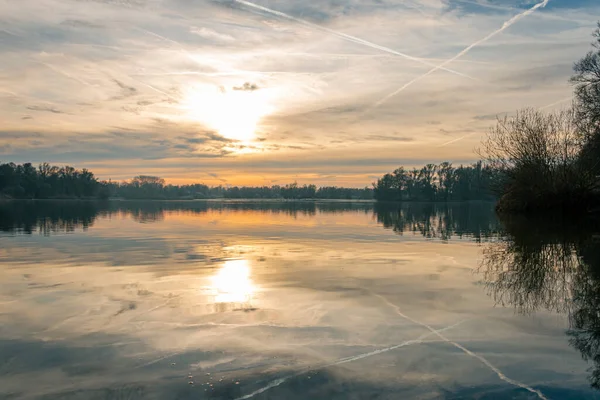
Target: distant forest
52, 182
430, 183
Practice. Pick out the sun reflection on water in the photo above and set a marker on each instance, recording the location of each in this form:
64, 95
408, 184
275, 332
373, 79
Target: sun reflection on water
233, 283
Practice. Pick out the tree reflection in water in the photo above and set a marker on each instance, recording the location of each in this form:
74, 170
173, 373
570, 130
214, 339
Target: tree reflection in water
551, 264
474, 220
528, 264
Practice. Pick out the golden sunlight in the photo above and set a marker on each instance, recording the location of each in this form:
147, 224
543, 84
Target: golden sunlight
232, 283
235, 114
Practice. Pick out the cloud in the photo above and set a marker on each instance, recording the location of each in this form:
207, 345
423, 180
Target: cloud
45, 109
388, 138
6, 135
212, 34
490, 117
126, 91
76, 23
247, 87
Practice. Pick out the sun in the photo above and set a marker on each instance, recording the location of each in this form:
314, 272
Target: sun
235, 114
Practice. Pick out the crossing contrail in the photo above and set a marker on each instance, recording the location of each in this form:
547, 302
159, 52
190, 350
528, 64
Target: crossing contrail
463, 52
347, 37
279, 381
465, 350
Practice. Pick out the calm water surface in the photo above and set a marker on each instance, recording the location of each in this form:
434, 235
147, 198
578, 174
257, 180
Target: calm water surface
204, 300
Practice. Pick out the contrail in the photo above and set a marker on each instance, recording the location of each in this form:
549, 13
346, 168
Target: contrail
166, 39
556, 103
64, 73
463, 52
279, 381
540, 109
159, 36
155, 89
464, 349
347, 37
457, 139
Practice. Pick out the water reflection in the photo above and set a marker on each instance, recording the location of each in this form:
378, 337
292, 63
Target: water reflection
254, 292
47, 217
440, 221
552, 265
434, 221
232, 283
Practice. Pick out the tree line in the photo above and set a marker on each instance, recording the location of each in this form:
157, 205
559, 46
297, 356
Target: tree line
150, 187
46, 181
24, 181
442, 182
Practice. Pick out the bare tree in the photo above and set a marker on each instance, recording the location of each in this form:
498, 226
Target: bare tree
537, 155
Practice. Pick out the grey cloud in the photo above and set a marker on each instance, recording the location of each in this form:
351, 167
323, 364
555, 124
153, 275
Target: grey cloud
390, 138
247, 87
341, 109
121, 3
195, 140
84, 147
216, 176
537, 76
45, 109
204, 138
76, 23
133, 110
216, 137
490, 117
19, 135
126, 91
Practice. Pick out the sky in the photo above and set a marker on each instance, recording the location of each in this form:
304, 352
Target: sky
236, 92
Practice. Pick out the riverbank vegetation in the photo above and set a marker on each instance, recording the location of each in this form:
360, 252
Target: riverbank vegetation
442, 182
532, 161
551, 161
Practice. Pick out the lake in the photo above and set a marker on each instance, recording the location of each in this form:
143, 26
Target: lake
284, 300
